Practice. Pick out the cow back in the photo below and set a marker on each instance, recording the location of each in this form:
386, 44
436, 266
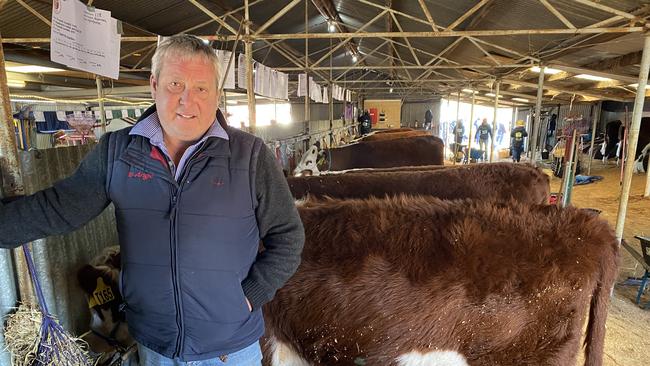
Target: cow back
498, 181
393, 130
420, 150
395, 135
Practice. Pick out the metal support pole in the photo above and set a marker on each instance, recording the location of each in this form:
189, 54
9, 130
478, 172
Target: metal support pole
457, 121
331, 103
12, 181
633, 137
471, 124
307, 83
100, 96
250, 85
538, 115
594, 126
494, 121
445, 136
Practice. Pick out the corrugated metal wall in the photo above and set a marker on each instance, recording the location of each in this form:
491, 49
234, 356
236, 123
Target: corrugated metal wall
577, 109
317, 111
414, 111
58, 258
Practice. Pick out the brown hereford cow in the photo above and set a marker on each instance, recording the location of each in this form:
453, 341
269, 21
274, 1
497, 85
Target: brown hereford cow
414, 281
394, 130
499, 181
419, 150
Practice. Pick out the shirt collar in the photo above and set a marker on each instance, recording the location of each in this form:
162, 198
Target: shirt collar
151, 128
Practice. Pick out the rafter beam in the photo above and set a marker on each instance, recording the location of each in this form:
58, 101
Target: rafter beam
277, 16
347, 39
138, 51
415, 67
560, 76
557, 14
604, 74
423, 81
486, 53
408, 43
33, 11
569, 91
467, 14
426, 53
427, 14
389, 28
439, 27
606, 9
362, 59
441, 34
214, 17
632, 58
408, 74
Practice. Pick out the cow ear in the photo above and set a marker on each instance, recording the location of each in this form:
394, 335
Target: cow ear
87, 278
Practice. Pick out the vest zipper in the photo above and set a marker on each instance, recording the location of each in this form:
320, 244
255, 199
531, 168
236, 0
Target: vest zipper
175, 268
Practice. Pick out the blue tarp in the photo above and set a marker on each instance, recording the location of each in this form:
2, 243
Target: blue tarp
586, 179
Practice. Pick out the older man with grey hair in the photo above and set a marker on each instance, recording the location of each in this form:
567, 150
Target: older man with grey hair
193, 197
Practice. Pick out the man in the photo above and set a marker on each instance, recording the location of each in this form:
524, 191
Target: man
428, 119
518, 134
365, 125
484, 135
192, 198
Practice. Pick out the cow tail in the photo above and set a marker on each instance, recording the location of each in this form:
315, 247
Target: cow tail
595, 339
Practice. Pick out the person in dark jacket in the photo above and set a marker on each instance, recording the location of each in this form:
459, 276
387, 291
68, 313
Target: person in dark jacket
484, 135
193, 198
365, 123
518, 135
428, 119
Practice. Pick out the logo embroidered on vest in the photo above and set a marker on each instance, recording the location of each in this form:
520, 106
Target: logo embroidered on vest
217, 182
140, 175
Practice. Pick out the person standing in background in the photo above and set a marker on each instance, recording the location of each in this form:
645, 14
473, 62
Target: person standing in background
484, 135
518, 135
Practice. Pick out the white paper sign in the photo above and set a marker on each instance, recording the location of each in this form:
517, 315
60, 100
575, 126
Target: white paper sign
325, 97
85, 38
266, 85
241, 71
224, 60
302, 85
109, 114
283, 85
60, 115
138, 113
39, 116
257, 77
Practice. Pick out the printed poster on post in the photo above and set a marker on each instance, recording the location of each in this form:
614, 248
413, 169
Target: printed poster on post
85, 38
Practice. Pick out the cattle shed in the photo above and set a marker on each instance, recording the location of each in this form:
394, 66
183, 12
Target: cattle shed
299, 73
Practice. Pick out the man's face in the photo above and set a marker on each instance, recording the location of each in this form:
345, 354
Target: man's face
186, 98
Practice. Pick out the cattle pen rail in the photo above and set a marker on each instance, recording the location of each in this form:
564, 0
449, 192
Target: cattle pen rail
636, 254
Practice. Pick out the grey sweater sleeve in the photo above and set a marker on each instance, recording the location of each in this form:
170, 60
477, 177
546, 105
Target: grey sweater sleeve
62, 208
280, 229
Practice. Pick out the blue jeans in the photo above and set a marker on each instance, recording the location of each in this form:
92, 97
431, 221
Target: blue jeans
516, 153
249, 356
